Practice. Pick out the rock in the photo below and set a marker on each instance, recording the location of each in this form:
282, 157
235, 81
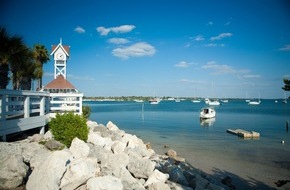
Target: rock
171, 153
12, 172
116, 160
7, 149
97, 139
141, 168
38, 157
104, 182
49, 174
92, 125
176, 175
36, 138
228, 182
78, 172
118, 147
54, 145
128, 181
48, 135
112, 127
155, 177
79, 148
100, 128
158, 186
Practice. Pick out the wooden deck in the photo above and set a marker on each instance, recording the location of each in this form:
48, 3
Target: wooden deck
25, 110
244, 133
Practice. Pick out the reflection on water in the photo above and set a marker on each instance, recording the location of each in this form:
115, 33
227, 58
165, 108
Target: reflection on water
207, 122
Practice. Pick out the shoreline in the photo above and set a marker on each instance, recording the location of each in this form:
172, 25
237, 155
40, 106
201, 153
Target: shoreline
123, 160
246, 175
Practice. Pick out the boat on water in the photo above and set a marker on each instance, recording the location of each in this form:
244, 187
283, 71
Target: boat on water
254, 102
212, 103
196, 100
154, 101
206, 113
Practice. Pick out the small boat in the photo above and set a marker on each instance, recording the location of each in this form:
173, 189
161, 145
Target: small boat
196, 100
154, 101
254, 102
206, 113
212, 103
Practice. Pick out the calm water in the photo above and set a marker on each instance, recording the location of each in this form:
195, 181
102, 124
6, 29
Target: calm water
207, 145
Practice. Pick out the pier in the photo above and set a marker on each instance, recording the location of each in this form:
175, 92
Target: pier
21, 110
244, 133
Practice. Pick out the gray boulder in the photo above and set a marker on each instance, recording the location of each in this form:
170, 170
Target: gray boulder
104, 182
12, 172
49, 174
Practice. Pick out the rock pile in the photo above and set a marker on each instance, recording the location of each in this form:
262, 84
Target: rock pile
110, 159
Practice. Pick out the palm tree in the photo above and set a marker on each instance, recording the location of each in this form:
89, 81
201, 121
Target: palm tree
41, 56
13, 53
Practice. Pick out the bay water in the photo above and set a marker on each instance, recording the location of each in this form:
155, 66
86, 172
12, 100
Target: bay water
251, 163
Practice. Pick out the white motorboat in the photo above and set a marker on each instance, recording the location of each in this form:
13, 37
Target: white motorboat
206, 113
212, 103
254, 102
196, 100
154, 101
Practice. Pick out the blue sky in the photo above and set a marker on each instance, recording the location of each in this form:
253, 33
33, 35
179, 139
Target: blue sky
204, 48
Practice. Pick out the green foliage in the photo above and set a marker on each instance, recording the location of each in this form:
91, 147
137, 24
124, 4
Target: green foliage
286, 85
67, 126
86, 112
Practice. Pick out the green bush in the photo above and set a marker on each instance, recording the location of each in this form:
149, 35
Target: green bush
67, 126
86, 112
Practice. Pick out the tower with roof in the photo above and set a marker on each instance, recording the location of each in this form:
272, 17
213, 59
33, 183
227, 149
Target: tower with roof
60, 84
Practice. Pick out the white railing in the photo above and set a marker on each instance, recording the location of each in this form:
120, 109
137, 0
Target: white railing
61, 102
24, 110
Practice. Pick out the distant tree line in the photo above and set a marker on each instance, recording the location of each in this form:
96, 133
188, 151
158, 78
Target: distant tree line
286, 86
20, 63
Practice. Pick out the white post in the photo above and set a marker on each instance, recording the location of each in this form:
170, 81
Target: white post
42, 105
26, 106
81, 105
3, 107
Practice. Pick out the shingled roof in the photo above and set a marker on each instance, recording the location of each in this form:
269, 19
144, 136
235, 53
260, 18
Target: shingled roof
59, 83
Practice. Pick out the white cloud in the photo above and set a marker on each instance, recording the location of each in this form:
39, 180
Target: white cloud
221, 36
222, 69
136, 50
210, 23
119, 29
285, 48
199, 38
103, 31
182, 64
118, 41
210, 45
214, 45
251, 76
192, 81
79, 30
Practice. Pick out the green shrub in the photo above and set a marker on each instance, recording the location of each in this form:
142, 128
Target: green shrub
67, 126
86, 112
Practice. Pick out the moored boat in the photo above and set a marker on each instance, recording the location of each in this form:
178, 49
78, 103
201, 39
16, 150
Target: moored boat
206, 113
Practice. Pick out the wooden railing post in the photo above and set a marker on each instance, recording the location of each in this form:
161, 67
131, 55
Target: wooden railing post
3, 107
26, 106
42, 105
